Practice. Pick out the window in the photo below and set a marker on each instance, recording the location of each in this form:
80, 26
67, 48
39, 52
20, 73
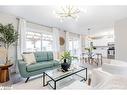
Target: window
47, 42
74, 46
33, 41
38, 42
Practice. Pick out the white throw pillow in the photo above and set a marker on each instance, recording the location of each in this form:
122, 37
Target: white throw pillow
29, 58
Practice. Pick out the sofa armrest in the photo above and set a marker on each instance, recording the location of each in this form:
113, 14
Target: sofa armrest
22, 68
56, 63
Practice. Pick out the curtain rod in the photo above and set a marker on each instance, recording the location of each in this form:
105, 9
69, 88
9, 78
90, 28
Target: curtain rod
34, 22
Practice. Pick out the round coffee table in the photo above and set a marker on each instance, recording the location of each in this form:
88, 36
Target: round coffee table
4, 72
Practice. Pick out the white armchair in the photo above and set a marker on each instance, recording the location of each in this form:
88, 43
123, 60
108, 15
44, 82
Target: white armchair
115, 67
101, 80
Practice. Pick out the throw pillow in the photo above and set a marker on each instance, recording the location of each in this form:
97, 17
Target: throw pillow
29, 58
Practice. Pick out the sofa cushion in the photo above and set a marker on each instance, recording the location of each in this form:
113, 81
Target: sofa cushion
50, 55
41, 56
39, 65
55, 63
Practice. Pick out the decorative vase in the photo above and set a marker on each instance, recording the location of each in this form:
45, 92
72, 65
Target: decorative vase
65, 65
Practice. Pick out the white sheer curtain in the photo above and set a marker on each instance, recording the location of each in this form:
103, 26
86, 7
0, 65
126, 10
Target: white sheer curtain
80, 46
22, 38
67, 41
56, 43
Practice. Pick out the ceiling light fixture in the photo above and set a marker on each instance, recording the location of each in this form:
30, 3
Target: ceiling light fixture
89, 36
67, 12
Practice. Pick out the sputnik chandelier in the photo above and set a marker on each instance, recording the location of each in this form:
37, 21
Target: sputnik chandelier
67, 12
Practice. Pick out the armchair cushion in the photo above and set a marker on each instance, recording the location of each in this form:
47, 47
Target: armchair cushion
116, 67
115, 82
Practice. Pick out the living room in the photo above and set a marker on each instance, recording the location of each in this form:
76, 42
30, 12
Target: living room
63, 47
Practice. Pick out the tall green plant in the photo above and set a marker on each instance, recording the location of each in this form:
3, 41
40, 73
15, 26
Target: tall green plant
8, 36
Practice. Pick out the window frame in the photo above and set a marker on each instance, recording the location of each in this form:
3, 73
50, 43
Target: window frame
41, 32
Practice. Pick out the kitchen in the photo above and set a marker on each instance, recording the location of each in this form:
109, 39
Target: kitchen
103, 41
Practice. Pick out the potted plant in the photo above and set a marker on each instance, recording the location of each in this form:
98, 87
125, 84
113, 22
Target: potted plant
66, 59
8, 36
90, 49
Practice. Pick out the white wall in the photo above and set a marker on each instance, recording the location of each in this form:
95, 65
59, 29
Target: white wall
63, 34
109, 31
120, 28
38, 27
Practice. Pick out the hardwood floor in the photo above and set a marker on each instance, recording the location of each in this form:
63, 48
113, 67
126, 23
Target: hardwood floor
16, 78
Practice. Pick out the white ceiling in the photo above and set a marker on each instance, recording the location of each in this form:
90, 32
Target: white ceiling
96, 16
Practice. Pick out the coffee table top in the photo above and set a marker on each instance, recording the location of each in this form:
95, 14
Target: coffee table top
57, 74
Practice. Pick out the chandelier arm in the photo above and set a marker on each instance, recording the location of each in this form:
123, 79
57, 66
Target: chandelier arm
70, 9
73, 9
67, 13
75, 12
61, 13
74, 17
64, 16
63, 10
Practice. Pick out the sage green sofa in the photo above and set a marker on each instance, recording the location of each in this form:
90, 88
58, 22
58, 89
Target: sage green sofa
44, 61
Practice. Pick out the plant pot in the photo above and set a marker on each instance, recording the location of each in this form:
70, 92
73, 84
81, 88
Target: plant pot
65, 65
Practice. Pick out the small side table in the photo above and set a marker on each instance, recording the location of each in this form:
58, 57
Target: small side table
4, 73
